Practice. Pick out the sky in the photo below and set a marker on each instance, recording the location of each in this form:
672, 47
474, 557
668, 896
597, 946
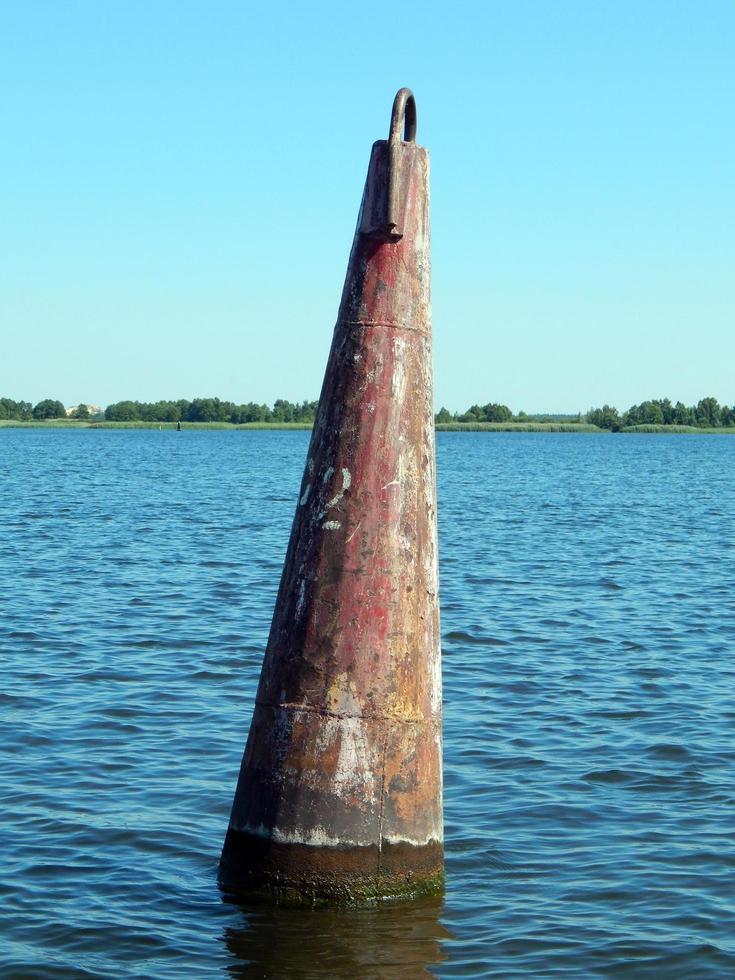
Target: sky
180, 181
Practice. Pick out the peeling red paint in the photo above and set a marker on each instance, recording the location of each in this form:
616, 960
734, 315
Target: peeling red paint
343, 759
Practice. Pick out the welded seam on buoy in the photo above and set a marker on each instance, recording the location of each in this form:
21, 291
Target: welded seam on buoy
341, 715
382, 323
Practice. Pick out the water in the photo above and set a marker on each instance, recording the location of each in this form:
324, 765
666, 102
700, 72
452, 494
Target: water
588, 632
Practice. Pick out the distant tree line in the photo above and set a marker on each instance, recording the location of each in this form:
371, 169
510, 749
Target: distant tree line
49, 408
493, 412
183, 410
210, 410
706, 414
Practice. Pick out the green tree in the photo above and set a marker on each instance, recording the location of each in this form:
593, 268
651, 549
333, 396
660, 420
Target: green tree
81, 411
306, 411
647, 413
49, 408
708, 413
15, 411
206, 410
254, 413
606, 417
443, 415
493, 412
123, 412
283, 411
168, 411
683, 415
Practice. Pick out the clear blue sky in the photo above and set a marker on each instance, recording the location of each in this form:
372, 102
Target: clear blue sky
179, 183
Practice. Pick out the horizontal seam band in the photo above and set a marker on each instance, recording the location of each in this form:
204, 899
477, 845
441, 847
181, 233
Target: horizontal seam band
312, 709
381, 323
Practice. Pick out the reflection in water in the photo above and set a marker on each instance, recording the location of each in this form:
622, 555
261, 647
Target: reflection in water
402, 940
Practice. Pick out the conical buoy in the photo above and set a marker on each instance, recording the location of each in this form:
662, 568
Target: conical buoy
339, 797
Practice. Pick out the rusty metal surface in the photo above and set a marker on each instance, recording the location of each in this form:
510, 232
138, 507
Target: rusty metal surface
340, 786
404, 111
383, 210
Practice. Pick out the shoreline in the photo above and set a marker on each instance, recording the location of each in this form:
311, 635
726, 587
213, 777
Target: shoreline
539, 427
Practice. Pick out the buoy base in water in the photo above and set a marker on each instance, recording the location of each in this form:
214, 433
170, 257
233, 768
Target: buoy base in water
303, 874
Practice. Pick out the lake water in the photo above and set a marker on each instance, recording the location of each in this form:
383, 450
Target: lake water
588, 622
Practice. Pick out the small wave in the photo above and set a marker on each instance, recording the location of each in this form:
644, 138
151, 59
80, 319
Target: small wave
459, 636
611, 776
622, 714
672, 751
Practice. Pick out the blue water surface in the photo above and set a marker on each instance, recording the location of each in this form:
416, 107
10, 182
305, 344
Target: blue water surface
588, 622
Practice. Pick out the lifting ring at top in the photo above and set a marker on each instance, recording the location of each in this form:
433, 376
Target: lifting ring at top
404, 111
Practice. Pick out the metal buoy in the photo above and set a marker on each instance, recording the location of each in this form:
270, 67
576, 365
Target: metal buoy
339, 797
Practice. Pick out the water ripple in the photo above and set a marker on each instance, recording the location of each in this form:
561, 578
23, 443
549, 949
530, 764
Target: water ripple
589, 768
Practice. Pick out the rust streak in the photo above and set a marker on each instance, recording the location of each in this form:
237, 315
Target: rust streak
339, 794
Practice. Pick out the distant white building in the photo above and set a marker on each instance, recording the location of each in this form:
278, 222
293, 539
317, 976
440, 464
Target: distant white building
93, 409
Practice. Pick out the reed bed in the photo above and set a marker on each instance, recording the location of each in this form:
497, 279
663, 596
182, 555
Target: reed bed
692, 430
516, 427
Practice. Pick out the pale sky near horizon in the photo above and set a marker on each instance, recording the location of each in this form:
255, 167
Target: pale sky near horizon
180, 181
